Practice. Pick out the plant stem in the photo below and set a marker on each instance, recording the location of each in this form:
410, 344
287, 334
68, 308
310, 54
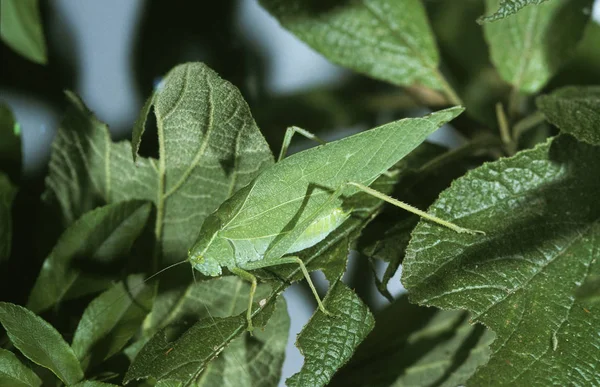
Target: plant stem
503, 124
527, 123
451, 95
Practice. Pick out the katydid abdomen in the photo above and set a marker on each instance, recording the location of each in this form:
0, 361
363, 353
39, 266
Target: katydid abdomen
254, 249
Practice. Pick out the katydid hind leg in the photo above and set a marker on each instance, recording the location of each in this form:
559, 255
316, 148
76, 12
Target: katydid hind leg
414, 210
289, 133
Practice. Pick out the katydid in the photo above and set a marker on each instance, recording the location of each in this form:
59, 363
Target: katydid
295, 203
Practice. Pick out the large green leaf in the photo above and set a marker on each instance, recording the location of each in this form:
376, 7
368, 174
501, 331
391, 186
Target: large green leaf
507, 8
14, 373
209, 147
10, 143
417, 346
528, 48
575, 110
242, 361
21, 28
93, 383
7, 194
40, 342
100, 235
385, 39
111, 320
328, 342
523, 280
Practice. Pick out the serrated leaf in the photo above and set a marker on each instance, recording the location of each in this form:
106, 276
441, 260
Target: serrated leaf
417, 346
111, 320
10, 143
209, 147
40, 342
421, 176
14, 373
328, 342
21, 28
528, 48
507, 8
7, 194
192, 357
574, 110
93, 383
100, 235
385, 39
541, 215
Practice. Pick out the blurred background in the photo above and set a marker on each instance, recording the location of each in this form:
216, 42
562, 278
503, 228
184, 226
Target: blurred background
114, 52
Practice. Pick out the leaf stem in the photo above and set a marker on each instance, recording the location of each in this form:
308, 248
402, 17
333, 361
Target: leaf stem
503, 125
450, 93
527, 123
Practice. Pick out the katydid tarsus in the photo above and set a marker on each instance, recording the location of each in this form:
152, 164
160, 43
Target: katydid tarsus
295, 203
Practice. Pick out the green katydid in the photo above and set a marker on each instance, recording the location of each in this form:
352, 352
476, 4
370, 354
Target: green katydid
297, 202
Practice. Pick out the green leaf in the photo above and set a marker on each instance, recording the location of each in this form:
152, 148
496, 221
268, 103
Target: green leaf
385, 39
93, 383
111, 320
21, 28
140, 127
40, 342
507, 8
7, 194
14, 373
327, 342
242, 361
584, 67
101, 236
574, 110
10, 143
209, 147
417, 346
528, 48
541, 213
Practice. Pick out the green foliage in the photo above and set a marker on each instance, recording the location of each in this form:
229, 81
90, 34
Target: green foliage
328, 344
40, 342
430, 348
21, 29
100, 235
507, 8
528, 48
516, 306
575, 110
524, 279
385, 39
14, 373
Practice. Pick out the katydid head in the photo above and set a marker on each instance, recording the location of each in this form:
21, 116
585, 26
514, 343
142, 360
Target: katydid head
210, 252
